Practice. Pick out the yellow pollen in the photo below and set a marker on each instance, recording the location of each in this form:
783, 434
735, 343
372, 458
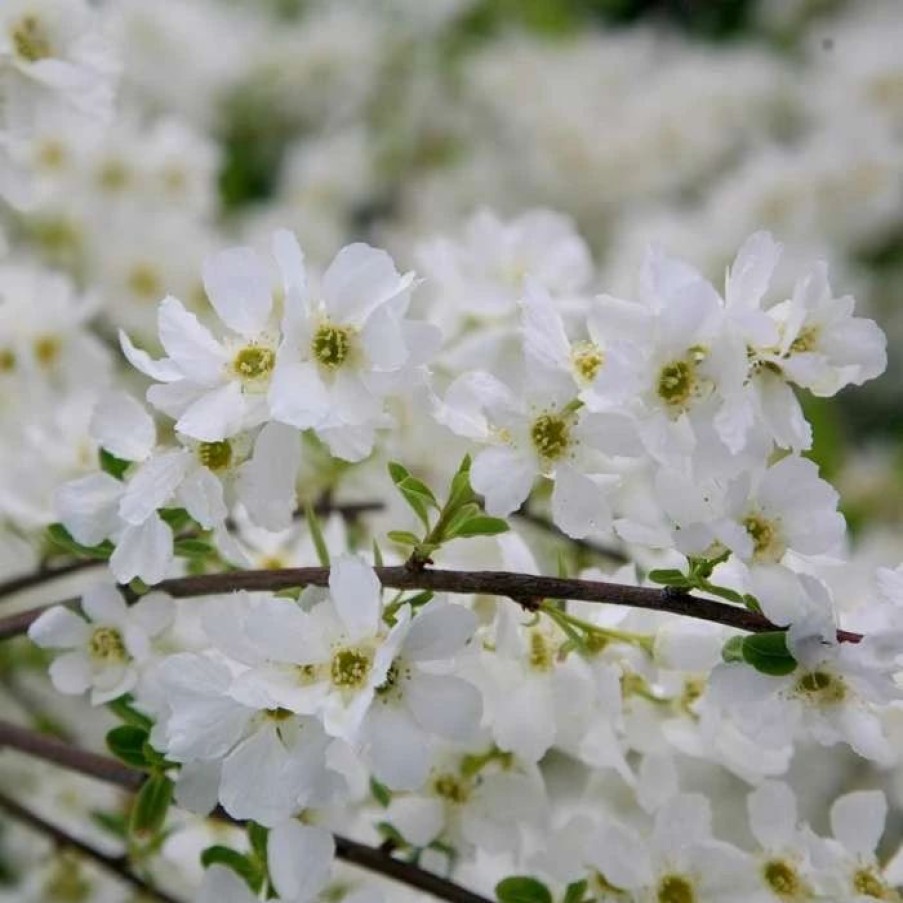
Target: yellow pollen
675, 889
106, 645
807, 340
254, 362
542, 653
350, 668
47, 350
869, 884
113, 175
31, 41
331, 345
144, 281
587, 359
783, 879
215, 455
677, 383
821, 687
768, 541
551, 435
451, 788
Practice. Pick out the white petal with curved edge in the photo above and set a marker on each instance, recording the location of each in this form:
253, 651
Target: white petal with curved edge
87, 507
440, 630
103, 604
190, 346
216, 415
239, 288
153, 485
145, 551
201, 494
503, 477
60, 628
164, 370
300, 860
123, 427
266, 483
857, 820
444, 705
355, 590
360, 279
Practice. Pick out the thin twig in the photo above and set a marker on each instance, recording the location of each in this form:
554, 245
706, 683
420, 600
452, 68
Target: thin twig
525, 589
586, 545
113, 772
115, 865
46, 574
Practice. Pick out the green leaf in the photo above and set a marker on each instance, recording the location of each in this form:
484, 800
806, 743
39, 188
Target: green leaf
114, 823
150, 806
521, 889
398, 472
416, 493
768, 653
258, 836
732, 651
192, 548
403, 537
460, 492
671, 577
245, 868
313, 524
377, 554
176, 518
380, 792
123, 709
575, 891
112, 465
60, 537
127, 742
483, 525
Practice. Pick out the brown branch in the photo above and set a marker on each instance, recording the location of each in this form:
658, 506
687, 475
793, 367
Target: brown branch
115, 865
46, 574
525, 589
113, 772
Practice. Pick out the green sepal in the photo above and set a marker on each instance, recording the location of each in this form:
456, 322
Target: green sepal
403, 537
522, 889
574, 893
380, 793
122, 707
671, 577
258, 836
732, 651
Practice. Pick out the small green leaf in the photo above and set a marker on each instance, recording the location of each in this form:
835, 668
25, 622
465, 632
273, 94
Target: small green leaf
575, 891
313, 524
768, 653
732, 651
114, 823
123, 709
112, 465
483, 525
250, 872
258, 836
460, 492
671, 577
127, 742
60, 537
398, 472
192, 548
403, 537
380, 792
177, 518
377, 554
416, 493
521, 889
150, 806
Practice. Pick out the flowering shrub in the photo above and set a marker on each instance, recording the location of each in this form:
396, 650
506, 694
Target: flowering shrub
311, 504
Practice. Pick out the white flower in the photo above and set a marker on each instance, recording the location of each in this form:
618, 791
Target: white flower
105, 653
217, 388
347, 346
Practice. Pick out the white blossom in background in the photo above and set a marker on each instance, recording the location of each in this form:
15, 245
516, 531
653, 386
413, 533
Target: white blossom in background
107, 651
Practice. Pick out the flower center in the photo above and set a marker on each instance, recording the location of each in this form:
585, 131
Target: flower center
551, 436
587, 359
7, 360
253, 363
31, 41
106, 645
783, 879
676, 382
46, 350
113, 175
278, 715
868, 884
452, 788
350, 668
821, 687
542, 652
768, 541
807, 340
215, 455
144, 281
675, 889
331, 345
